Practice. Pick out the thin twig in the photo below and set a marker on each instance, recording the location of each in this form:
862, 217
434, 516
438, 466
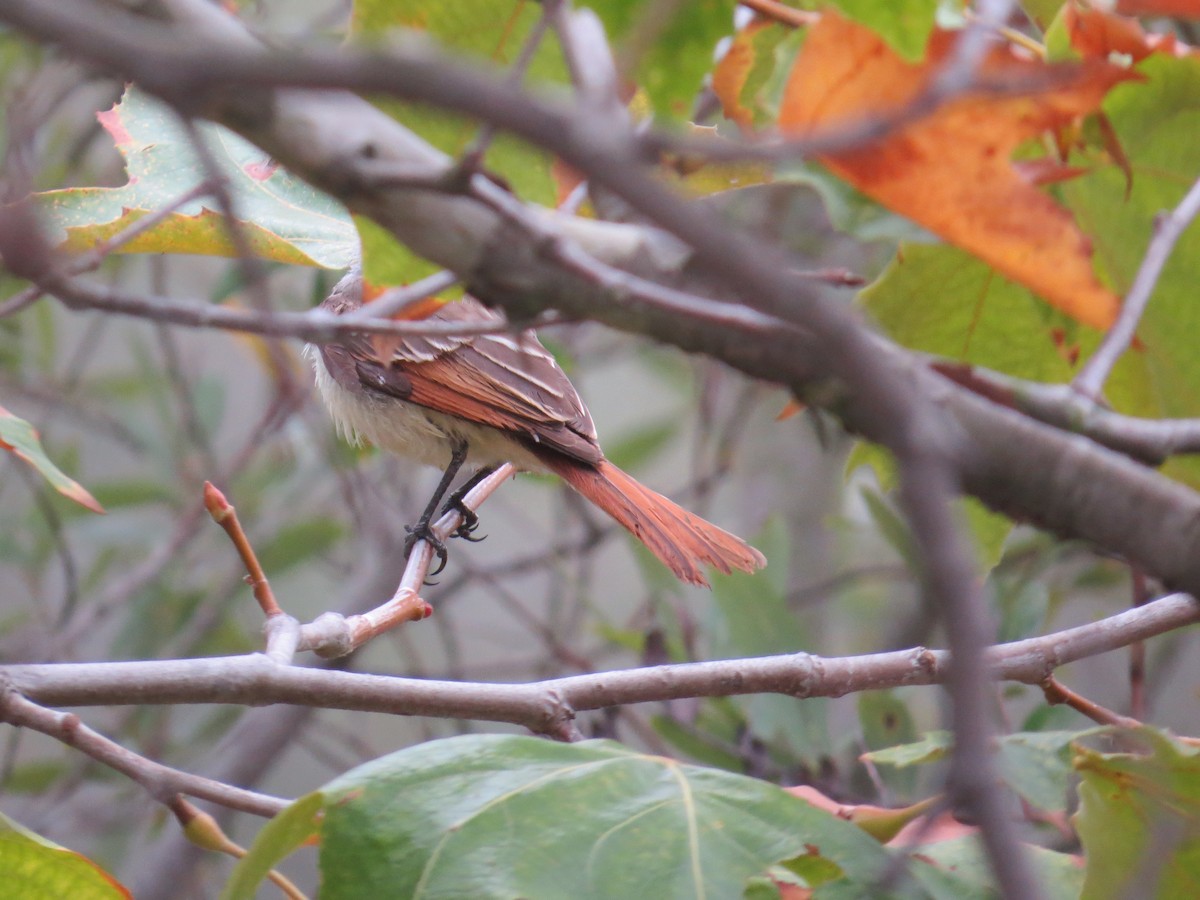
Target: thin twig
778, 12
333, 635
316, 325
87, 262
1056, 692
204, 831
396, 300
224, 514
1167, 231
161, 781
472, 157
1150, 441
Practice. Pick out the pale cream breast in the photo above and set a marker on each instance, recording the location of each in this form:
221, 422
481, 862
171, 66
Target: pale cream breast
412, 431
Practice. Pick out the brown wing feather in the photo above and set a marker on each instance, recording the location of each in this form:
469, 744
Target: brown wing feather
511, 384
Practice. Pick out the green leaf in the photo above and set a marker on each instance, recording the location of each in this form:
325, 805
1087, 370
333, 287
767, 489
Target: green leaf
492, 31
509, 816
933, 746
388, 262
697, 744
37, 869
753, 619
1037, 766
277, 839
1022, 605
1156, 122
904, 24
973, 316
19, 437
284, 218
892, 528
1139, 817
127, 492
1059, 875
674, 55
886, 722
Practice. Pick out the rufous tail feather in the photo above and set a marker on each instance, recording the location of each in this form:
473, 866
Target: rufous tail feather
684, 542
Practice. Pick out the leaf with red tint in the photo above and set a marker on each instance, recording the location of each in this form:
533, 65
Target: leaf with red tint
951, 170
19, 438
110, 119
1095, 33
261, 170
1187, 9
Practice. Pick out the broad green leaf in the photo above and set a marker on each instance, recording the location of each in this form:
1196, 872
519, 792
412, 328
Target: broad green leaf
672, 56
753, 619
1059, 875
37, 869
277, 839
939, 299
283, 218
1139, 818
1032, 763
387, 262
491, 31
1156, 122
904, 24
508, 816
19, 437
1036, 765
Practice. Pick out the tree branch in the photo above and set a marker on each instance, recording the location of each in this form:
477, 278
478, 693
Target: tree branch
545, 706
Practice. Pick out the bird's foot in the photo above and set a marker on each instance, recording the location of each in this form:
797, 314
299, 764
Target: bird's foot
422, 532
470, 520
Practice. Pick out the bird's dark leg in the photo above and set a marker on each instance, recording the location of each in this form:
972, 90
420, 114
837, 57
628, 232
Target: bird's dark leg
470, 521
421, 530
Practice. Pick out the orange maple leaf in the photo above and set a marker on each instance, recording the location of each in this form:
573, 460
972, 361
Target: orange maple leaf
951, 171
1095, 33
1186, 9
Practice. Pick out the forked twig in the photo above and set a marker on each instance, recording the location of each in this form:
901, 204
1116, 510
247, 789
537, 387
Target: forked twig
333, 635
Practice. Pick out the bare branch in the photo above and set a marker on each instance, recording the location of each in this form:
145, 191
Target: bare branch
162, 782
545, 706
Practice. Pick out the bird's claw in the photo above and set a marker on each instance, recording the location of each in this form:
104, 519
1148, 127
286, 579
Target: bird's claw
470, 520
422, 532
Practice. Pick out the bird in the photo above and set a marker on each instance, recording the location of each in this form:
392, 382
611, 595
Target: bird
482, 400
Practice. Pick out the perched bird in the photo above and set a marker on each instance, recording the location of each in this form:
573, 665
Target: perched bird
484, 400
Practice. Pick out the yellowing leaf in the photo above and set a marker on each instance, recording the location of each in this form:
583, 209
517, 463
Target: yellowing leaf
37, 869
19, 437
283, 219
951, 171
730, 75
